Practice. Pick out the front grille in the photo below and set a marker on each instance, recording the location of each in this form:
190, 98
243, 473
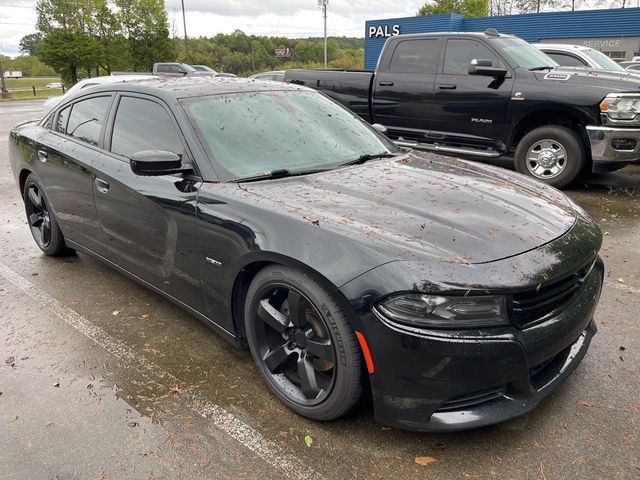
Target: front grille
472, 399
528, 307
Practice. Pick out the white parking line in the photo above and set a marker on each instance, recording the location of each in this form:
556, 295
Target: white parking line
228, 423
620, 286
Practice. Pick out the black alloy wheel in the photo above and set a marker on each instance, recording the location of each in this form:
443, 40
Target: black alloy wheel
294, 344
302, 344
38, 215
42, 221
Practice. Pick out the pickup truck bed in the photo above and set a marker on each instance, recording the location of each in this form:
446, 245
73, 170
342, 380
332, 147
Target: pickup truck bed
350, 87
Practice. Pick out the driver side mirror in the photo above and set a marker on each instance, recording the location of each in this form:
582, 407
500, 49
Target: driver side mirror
181, 71
156, 162
485, 68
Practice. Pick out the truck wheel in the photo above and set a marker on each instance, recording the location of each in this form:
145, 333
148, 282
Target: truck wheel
552, 154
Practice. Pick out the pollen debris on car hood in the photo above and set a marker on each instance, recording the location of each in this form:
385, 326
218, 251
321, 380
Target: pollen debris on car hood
422, 205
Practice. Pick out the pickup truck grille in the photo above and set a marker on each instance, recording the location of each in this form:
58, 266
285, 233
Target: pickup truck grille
529, 307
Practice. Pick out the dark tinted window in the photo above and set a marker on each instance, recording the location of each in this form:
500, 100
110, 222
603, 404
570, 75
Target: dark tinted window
415, 56
634, 67
87, 116
163, 68
63, 118
566, 60
460, 52
143, 125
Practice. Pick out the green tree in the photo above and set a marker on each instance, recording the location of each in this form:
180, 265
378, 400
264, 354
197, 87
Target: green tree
535, 6
30, 66
71, 35
30, 43
68, 51
467, 8
144, 23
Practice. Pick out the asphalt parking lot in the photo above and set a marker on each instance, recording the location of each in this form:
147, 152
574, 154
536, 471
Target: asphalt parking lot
101, 378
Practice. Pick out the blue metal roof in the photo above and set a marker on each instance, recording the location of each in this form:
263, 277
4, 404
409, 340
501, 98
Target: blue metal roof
619, 22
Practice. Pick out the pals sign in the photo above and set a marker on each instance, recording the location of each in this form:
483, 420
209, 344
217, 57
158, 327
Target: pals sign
384, 31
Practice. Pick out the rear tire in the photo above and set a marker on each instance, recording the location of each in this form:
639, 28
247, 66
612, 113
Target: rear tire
303, 344
552, 154
41, 219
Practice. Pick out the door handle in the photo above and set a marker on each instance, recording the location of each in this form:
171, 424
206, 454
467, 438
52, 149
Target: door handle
102, 185
447, 86
42, 156
386, 84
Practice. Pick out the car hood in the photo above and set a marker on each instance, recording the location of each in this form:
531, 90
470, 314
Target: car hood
605, 80
424, 205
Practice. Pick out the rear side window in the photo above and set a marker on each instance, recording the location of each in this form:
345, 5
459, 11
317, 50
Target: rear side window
61, 121
86, 119
566, 60
163, 68
143, 125
460, 52
416, 56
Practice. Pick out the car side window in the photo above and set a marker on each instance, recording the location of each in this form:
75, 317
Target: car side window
86, 119
142, 124
163, 69
460, 52
567, 60
61, 121
415, 56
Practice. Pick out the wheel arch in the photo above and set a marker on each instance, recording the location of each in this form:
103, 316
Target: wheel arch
22, 179
549, 117
246, 270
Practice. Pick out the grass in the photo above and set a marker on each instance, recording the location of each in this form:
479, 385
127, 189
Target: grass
26, 82
28, 94
25, 91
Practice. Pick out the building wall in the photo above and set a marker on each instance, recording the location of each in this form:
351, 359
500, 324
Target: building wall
614, 24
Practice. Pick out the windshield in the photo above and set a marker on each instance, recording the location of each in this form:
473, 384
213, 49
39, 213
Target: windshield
522, 53
605, 62
253, 134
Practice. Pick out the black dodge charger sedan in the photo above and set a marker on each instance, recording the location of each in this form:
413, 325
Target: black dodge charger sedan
460, 295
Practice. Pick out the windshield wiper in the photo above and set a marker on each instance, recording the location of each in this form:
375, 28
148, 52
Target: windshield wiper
544, 67
279, 173
369, 156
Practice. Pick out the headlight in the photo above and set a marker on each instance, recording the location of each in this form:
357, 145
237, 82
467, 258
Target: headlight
621, 106
436, 311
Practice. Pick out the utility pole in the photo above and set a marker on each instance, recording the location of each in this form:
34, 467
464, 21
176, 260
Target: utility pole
3, 87
323, 4
186, 42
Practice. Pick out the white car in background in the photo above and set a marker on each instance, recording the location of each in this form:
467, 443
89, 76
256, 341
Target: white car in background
90, 82
580, 56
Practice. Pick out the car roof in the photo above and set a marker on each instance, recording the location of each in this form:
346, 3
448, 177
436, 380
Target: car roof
185, 87
562, 46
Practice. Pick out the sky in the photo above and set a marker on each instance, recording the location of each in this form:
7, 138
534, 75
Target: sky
290, 18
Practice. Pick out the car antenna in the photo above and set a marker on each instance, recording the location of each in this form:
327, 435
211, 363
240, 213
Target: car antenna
492, 32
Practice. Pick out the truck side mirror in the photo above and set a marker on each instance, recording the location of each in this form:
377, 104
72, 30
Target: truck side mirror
485, 68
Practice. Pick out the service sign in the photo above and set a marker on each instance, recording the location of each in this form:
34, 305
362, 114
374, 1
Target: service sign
384, 31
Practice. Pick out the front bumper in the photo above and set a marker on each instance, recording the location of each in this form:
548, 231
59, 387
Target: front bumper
448, 381
614, 144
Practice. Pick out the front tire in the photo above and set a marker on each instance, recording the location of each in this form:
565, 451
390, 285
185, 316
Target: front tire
552, 154
303, 344
41, 219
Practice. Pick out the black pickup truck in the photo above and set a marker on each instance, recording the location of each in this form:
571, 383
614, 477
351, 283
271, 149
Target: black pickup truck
490, 95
